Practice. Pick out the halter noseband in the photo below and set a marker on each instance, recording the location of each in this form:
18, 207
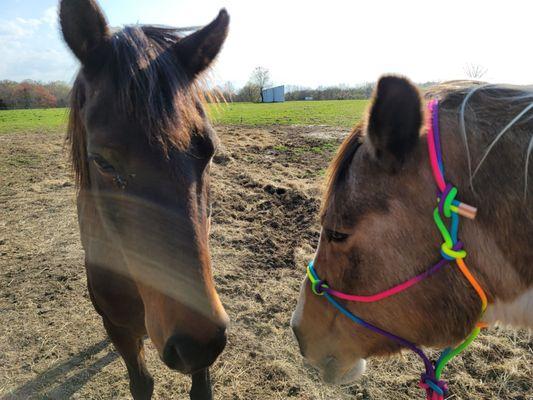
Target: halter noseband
451, 249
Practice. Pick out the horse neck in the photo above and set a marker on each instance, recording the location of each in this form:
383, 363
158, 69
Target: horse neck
498, 241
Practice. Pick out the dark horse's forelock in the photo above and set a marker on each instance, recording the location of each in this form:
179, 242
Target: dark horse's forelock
149, 85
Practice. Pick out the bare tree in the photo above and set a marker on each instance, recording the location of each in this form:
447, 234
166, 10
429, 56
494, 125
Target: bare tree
250, 92
475, 71
228, 91
260, 78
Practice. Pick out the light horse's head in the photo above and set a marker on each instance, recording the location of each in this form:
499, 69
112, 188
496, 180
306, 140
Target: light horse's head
378, 231
141, 146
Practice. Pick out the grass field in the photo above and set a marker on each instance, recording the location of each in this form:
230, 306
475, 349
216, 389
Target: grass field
32, 120
344, 113
266, 195
266, 191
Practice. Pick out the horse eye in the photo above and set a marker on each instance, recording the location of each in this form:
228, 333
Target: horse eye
102, 163
334, 236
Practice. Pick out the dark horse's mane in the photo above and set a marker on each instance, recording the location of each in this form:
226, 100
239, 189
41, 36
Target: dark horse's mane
150, 86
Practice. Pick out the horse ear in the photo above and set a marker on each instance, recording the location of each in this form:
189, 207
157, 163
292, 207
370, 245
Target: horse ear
395, 120
84, 26
198, 50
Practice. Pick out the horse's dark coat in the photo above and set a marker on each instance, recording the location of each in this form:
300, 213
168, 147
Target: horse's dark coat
141, 146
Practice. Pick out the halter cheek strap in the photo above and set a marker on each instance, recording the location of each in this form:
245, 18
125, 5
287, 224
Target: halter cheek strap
448, 208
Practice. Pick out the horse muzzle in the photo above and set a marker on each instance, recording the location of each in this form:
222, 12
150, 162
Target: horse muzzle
186, 355
332, 372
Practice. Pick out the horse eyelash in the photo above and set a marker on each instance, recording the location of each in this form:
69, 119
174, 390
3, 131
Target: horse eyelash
102, 163
331, 233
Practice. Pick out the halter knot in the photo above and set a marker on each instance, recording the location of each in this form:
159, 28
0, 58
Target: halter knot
435, 389
446, 199
319, 287
452, 252
451, 249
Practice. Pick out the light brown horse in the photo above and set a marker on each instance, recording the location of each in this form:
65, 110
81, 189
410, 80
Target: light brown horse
141, 146
378, 230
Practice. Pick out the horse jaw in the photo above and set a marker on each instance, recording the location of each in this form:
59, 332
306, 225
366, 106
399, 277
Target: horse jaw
516, 313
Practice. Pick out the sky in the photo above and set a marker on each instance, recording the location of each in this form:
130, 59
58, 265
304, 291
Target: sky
303, 42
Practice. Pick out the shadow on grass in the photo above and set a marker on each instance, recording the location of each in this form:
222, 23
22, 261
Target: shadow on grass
54, 383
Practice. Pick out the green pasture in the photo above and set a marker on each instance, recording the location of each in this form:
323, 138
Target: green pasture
43, 120
343, 113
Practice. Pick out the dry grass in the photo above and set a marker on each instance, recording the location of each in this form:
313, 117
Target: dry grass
266, 199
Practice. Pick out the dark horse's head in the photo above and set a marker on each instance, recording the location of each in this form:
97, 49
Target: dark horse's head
141, 148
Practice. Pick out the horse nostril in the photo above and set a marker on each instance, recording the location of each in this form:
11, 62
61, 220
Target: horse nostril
187, 355
218, 343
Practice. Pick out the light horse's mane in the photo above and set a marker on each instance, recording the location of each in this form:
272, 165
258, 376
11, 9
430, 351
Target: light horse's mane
476, 103
493, 101
150, 86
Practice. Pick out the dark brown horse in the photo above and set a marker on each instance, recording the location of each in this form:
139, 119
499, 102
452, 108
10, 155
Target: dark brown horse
141, 146
378, 230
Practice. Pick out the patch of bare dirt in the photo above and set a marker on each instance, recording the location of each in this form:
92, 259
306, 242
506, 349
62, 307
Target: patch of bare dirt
266, 187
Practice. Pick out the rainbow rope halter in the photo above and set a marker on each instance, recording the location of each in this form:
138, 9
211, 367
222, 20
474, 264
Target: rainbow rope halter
451, 250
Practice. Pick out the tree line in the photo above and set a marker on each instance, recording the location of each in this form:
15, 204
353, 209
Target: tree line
33, 94
340, 92
260, 79
252, 91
